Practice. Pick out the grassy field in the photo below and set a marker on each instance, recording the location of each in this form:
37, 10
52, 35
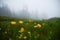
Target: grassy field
28, 29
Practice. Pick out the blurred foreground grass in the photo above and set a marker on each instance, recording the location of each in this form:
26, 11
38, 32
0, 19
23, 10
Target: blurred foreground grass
27, 29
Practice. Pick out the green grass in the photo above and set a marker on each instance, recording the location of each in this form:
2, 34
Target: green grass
49, 30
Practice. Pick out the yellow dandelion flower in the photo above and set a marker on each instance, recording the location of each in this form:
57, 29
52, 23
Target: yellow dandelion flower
39, 25
25, 37
29, 32
35, 26
21, 30
21, 22
19, 37
13, 22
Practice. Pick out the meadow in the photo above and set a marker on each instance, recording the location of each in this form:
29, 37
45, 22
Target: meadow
28, 29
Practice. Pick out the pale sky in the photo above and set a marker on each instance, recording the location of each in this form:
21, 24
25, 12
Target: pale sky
49, 8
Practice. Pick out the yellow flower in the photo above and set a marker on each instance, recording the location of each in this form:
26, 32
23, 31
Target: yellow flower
35, 26
21, 30
19, 37
29, 32
21, 22
13, 22
39, 25
25, 37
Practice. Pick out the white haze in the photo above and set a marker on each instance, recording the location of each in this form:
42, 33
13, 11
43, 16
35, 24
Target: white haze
38, 9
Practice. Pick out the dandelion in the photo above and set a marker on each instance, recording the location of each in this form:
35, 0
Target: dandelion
21, 22
25, 37
35, 26
39, 25
29, 32
13, 22
21, 30
19, 37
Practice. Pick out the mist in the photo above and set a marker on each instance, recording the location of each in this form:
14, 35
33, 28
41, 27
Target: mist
34, 9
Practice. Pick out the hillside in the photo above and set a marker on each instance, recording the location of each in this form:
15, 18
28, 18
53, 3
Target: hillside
28, 29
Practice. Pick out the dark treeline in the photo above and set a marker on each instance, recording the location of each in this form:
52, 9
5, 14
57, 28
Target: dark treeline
4, 11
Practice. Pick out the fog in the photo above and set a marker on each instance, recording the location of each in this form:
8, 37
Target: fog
35, 9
